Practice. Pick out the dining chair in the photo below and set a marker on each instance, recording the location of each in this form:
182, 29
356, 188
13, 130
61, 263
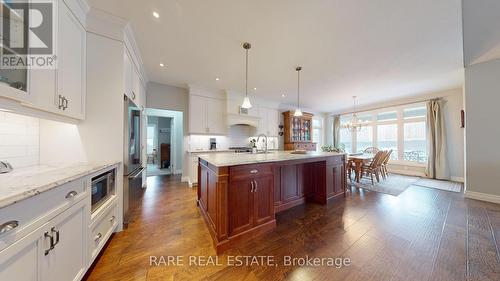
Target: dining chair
387, 157
371, 150
374, 167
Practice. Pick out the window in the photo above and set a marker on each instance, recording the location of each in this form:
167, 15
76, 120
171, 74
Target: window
402, 129
387, 138
317, 136
150, 137
364, 138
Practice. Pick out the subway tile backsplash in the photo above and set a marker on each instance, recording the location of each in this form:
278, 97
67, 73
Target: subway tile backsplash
19, 139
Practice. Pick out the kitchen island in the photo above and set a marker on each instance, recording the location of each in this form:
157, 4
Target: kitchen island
239, 194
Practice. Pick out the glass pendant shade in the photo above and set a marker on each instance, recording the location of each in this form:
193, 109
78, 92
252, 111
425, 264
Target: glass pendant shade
246, 103
297, 113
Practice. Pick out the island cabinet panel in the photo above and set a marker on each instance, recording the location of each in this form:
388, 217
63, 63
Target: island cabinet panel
264, 202
241, 206
250, 197
336, 177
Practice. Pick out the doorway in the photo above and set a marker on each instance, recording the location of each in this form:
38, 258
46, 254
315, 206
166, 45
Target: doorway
164, 141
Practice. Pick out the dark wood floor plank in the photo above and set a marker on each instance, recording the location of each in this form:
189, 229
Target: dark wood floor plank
419, 235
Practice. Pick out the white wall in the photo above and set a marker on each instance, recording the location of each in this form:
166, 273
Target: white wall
482, 88
19, 139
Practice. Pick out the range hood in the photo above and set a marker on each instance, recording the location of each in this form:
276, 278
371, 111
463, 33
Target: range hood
240, 119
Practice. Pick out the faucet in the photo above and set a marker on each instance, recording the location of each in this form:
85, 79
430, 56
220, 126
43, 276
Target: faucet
265, 140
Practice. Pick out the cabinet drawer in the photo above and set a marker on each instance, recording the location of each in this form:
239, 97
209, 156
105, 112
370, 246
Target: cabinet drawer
336, 160
250, 171
33, 212
102, 230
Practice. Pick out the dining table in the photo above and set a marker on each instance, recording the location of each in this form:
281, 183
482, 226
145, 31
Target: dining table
358, 160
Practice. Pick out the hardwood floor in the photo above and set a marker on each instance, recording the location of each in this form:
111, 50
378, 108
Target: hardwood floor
423, 234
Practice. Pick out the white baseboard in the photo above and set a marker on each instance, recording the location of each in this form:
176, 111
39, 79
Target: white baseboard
176, 172
482, 196
458, 179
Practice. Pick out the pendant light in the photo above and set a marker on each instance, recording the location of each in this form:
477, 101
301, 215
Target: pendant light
246, 101
298, 112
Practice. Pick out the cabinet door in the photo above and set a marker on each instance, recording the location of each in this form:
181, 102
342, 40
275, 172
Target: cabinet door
71, 63
136, 86
127, 74
291, 183
193, 173
263, 200
67, 261
335, 182
241, 204
21, 260
197, 115
215, 116
272, 122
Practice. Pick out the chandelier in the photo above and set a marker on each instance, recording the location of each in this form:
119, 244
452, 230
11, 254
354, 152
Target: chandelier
355, 125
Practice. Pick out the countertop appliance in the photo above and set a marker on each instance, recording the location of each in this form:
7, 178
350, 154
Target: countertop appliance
132, 175
5, 167
103, 187
213, 143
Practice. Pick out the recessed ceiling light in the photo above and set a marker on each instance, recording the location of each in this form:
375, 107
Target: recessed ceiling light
283, 95
156, 15
255, 89
217, 78
162, 65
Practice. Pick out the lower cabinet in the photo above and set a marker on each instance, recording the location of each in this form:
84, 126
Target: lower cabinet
336, 177
251, 203
55, 251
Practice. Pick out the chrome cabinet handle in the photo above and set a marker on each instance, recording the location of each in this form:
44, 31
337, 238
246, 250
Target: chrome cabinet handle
97, 237
256, 186
251, 184
112, 219
71, 194
47, 235
65, 103
61, 102
254, 171
8, 226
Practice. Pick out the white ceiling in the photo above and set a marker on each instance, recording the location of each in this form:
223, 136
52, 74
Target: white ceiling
377, 50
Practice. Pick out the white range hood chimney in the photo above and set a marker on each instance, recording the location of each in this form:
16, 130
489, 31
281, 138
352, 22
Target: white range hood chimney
241, 119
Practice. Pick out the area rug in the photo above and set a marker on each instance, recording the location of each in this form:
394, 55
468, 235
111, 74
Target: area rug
393, 185
439, 184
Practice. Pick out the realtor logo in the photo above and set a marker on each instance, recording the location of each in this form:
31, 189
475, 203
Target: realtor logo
28, 31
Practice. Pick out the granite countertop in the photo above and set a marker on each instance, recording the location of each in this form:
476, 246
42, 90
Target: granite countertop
24, 183
210, 151
225, 159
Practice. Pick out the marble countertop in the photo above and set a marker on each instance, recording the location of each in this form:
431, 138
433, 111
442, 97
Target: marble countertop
210, 151
24, 183
234, 159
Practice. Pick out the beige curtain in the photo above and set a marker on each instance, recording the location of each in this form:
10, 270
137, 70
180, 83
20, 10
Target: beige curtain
437, 164
336, 131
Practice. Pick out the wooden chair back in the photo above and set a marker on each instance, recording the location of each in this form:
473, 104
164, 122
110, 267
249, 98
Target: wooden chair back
387, 157
371, 150
377, 160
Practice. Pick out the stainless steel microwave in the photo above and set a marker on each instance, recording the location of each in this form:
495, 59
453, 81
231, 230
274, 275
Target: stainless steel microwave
103, 187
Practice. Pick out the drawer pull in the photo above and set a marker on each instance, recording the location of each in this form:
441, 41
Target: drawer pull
97, 237
254, 171
112, 219
8, 226
47, 235
71, 194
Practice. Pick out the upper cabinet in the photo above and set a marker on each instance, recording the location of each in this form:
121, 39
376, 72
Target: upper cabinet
269, 122
207, 115
134, 86
60, 90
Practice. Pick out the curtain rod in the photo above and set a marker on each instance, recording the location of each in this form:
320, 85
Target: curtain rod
388, 106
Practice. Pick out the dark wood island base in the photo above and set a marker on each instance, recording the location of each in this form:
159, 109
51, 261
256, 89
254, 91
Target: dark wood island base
239, 202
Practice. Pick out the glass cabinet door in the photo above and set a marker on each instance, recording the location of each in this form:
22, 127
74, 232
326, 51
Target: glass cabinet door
13, 50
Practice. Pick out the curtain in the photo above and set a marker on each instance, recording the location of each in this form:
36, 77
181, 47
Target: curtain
437, 164
336, 131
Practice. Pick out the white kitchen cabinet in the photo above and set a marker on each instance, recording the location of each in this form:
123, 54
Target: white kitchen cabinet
67, 259
127, 74
71, 64
35, 257
207, 115
269, 122
20, 261
62, 90
193, 170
